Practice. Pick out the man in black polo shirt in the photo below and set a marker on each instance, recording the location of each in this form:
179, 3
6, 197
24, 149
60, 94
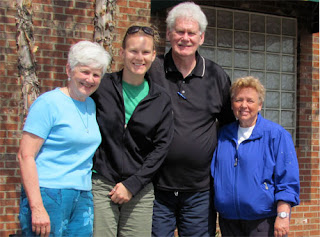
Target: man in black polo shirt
199, 91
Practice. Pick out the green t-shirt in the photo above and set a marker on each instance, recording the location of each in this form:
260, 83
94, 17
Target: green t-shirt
132, 95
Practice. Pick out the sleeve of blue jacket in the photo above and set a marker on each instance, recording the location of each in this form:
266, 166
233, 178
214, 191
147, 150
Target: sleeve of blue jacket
286, 173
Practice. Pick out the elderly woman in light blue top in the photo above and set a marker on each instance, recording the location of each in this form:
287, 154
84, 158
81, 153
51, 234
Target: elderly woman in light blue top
59, 139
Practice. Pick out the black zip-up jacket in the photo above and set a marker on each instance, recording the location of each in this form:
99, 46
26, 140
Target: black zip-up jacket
131, 153
200, 103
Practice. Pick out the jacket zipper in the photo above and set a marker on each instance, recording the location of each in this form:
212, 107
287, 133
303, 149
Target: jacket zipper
119, 90
236, 183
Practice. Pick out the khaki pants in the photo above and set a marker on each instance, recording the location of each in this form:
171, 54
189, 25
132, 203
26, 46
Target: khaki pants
133, 218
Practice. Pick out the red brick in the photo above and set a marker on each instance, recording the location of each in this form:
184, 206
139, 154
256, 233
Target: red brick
42, 1
84, 5
135, 4
62, 17
12, 210
122, 2
7, 218
127, 10
13, 180
53, 68
9, 126
10, 202
64, 3
87, 20
14, 134
4, 232
60, 76
62, 47
12, 226
51, 83
315, 232
70, 11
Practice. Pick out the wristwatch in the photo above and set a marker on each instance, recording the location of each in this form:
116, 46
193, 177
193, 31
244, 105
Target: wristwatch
283, 214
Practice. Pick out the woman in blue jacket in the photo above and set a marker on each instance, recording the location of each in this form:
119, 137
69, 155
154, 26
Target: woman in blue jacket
255, 169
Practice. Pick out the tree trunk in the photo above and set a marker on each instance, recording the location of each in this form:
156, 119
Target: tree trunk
26, 50
104, 25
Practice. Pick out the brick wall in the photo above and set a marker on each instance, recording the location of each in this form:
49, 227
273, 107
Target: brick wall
306, 216
9, 122
57, 25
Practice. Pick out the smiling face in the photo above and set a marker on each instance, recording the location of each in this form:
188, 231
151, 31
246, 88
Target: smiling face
138, 55
185, 37
246, 105
84, 80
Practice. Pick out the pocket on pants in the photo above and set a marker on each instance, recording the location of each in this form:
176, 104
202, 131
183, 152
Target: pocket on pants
51, 196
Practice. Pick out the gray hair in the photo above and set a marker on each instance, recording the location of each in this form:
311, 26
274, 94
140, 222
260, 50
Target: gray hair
187, 10
86, 53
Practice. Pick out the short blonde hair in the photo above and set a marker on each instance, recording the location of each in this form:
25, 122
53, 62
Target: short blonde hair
248, 82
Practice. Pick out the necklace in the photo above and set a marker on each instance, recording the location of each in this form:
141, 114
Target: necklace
86, 126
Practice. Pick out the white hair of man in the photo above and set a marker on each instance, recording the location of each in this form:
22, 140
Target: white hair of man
187, 10
91, 54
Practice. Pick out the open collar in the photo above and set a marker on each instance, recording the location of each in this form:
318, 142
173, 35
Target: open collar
198, 71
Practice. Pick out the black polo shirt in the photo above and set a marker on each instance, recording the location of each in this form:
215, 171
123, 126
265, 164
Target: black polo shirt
200, 101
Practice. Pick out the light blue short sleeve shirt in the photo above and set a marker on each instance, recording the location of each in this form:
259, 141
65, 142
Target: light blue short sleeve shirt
71, 136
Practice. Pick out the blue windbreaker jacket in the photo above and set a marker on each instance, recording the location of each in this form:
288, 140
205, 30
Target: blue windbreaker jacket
249, 182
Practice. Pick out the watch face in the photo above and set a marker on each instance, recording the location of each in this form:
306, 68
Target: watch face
283, 214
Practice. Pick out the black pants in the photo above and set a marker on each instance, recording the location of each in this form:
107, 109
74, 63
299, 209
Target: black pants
191, 212
261, 227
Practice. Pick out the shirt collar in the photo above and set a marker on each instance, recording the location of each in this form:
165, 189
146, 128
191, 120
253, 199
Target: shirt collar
232, 129
198, 71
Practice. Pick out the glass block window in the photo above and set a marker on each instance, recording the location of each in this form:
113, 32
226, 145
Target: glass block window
264, 46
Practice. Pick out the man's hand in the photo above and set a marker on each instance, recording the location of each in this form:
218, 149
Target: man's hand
120, 194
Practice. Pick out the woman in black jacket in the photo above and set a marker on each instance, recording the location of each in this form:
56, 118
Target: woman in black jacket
136, 123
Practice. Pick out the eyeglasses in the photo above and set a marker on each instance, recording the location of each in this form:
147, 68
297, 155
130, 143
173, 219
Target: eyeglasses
145, 29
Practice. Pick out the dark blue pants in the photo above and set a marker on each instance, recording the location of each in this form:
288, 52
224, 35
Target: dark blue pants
253, 228
191, 212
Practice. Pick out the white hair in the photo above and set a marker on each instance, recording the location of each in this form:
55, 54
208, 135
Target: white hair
187, 10
90, 54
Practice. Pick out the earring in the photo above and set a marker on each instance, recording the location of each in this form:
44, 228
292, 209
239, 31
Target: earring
69, 79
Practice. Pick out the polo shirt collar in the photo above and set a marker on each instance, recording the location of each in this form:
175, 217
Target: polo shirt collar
198, 71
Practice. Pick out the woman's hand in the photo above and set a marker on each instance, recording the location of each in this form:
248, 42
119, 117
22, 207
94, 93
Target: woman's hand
29, 147
120, 194
281, 227
40, 221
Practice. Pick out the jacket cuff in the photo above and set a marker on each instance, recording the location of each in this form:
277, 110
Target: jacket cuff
133, 185
287, 197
